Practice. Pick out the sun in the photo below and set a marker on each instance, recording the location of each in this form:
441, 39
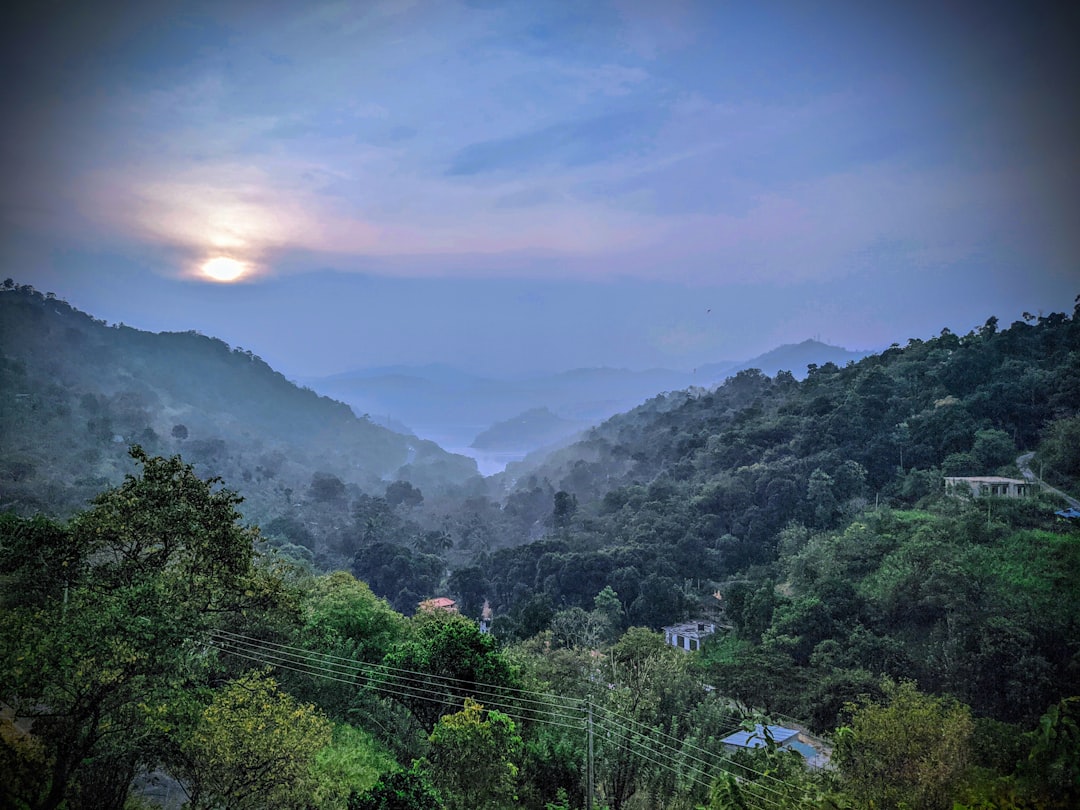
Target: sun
224, 269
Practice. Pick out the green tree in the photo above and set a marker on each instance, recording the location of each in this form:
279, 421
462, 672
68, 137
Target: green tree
562, 513
109, 628
341, 617
647, 686
771, 776
402, 493
327, 488
911, 751
1051, 773
575, 627
341, 614
253, 747
444, 661
993, 448
474, 758
608, 605
400, 790
821, 497
1060, 449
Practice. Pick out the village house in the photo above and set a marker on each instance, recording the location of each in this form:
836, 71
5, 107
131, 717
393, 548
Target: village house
688, 636
442, 603
810, 749
989, 485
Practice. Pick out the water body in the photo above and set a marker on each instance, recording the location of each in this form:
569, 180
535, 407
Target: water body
488, 462
456, 439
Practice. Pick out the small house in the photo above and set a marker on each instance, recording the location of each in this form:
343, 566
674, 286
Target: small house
442, 603
811, 750
989, 486
688, 636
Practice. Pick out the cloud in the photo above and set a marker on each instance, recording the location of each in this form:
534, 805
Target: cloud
566, 144
643, 140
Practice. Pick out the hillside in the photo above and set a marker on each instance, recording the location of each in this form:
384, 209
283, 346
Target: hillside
794, 357
76, 393
536, 427
806, 519
818, 509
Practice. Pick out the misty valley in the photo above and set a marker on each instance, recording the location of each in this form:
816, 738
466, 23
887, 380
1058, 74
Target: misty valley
815, 579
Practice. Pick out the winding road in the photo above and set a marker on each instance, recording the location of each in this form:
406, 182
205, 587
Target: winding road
1024, 463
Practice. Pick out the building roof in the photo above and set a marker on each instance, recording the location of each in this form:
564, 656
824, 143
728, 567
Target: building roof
692, 628
986, 479
756, 738
439, 603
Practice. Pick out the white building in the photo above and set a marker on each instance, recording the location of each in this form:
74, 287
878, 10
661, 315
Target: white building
688, 636
989, 485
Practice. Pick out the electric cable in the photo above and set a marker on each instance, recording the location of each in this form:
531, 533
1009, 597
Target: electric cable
414, 692
355, 670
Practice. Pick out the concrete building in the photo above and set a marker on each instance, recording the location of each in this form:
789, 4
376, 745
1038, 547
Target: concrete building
688, 636
989, 486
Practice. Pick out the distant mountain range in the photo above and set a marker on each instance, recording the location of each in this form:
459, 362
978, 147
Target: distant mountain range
76, 392
457, 409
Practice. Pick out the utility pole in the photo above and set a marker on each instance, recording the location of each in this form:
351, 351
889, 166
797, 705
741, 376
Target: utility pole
589, 764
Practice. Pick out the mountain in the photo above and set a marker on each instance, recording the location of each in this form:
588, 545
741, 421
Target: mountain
453, 407
794, 357
537, 427
76, 393
817, 510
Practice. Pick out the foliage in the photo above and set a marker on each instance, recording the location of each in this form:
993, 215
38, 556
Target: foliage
911, 751
445, 660
474, 758
76, 392
255, 746
111, 623
342, 614
1051, 772
399, 790
351, 763
814, 509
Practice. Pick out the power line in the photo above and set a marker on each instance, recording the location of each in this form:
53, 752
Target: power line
459, 683
682, 744
674, 754
351, 666
306, 666
549, 709
638, 747
421, 692
436, 698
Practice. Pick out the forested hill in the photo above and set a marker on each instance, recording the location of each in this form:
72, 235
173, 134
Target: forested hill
817, 509
955, 405
937, 635
76, 393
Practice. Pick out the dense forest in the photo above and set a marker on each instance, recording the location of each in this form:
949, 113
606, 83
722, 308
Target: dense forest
933, 639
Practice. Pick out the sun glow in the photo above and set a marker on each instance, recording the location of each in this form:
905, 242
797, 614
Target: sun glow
224, 269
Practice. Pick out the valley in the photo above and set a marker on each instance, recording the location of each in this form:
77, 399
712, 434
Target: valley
803, 518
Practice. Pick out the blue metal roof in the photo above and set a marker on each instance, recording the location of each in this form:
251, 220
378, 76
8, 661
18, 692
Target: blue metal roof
756, 738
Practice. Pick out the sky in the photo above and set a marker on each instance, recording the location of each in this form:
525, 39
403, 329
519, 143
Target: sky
521, 187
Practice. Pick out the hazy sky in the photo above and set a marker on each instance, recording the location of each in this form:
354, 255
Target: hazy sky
511, 187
